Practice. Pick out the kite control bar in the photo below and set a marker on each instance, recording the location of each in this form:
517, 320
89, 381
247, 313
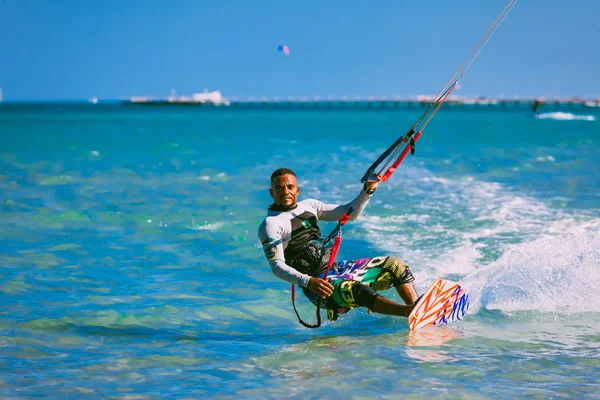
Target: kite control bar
395, 165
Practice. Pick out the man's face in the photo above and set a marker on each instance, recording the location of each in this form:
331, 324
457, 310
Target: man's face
284, 190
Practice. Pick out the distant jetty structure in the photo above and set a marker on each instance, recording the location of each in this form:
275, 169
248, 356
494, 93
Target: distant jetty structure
215, 98
382, 102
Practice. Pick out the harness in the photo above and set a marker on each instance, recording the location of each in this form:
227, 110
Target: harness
334, 237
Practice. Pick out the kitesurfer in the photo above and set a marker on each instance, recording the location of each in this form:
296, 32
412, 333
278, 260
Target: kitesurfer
293, 245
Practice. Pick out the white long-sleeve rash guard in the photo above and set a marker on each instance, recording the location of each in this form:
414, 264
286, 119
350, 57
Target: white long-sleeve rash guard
287, 233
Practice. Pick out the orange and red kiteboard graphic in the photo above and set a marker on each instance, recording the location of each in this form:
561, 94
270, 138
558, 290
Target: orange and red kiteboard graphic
443, 302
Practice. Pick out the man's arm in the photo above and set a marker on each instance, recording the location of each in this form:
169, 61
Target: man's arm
272, 243
333, 212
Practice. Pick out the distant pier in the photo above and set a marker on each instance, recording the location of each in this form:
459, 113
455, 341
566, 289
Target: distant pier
382, 102
374, 102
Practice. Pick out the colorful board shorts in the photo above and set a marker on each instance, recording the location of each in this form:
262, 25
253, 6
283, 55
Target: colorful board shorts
356, 282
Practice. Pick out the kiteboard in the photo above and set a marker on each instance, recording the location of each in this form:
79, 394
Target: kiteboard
443, 302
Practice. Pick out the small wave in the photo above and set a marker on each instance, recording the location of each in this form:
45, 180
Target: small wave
206, 226
545, 159
563, 116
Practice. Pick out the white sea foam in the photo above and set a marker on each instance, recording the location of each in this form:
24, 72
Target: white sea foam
559, 274
460, 260
563, 116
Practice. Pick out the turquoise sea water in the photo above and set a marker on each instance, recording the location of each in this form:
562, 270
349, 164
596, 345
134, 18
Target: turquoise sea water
131, 268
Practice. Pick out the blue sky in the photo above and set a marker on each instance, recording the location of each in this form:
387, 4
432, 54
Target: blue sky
78, 49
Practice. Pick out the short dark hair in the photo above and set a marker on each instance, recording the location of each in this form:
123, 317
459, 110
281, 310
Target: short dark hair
282, 171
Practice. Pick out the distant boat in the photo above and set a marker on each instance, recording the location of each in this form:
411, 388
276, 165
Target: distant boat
214, 98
